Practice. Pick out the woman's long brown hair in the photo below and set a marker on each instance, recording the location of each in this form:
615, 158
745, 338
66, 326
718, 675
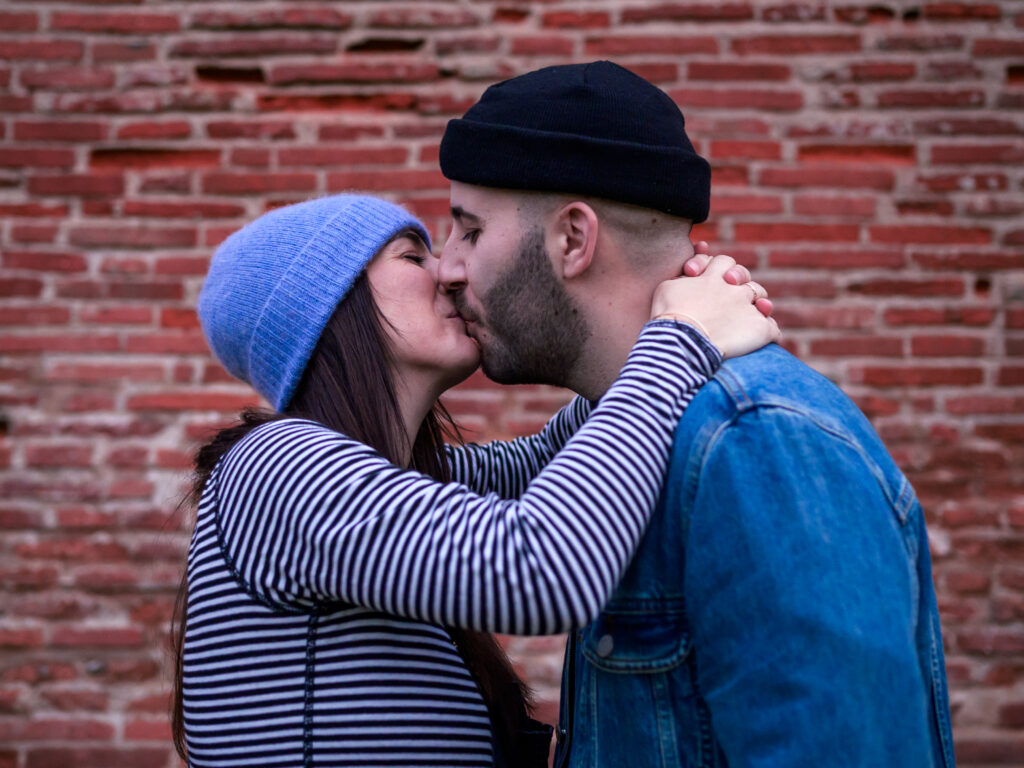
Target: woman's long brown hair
349, 387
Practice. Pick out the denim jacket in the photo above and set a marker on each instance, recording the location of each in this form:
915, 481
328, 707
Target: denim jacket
780, 610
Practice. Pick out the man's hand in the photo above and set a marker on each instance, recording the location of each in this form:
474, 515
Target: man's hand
735, 276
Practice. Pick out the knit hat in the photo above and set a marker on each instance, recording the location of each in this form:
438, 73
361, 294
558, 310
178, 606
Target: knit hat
273, 285
595, 129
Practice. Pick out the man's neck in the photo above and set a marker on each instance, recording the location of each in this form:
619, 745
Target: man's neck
617, 308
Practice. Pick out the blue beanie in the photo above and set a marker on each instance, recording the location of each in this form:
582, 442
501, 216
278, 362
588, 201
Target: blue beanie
592, 129
273, 285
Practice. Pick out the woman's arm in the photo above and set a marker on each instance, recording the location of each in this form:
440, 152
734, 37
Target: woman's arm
506, 467
308, 516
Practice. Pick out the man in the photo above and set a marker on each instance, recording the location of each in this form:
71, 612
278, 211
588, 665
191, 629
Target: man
780, 609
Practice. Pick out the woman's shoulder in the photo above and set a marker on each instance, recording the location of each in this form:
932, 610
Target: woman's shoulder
284, 441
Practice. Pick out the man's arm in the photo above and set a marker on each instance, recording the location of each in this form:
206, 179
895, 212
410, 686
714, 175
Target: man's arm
802, 595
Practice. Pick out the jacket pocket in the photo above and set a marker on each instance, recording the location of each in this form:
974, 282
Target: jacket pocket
634, 640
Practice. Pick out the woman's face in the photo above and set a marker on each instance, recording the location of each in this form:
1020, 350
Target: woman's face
427, 337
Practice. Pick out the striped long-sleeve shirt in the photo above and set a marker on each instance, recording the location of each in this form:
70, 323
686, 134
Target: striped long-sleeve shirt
321, 576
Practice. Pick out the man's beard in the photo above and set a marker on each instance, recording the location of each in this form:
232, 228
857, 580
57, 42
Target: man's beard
536, 334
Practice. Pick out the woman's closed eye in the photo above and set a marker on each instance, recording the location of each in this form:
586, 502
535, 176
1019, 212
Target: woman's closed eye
471, 235
415, 257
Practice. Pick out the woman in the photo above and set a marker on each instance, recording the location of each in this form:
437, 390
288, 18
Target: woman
338, 586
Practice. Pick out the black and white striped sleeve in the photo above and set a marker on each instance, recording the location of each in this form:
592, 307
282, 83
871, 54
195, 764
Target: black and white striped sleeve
506, 467
307, 516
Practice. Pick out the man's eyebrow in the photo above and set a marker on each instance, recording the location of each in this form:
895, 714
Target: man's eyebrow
461, 215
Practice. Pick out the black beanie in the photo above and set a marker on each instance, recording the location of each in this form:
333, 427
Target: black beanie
593, 129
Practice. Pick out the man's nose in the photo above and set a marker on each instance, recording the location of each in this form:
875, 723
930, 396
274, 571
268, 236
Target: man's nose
451, 268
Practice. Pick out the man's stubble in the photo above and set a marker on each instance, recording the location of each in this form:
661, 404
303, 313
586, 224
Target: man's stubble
537, 333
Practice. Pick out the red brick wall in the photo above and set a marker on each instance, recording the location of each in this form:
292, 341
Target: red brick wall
868, 163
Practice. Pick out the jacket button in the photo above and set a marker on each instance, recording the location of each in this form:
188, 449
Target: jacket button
605, 646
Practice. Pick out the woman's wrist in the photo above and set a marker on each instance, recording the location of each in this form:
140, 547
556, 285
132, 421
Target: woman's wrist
687, 319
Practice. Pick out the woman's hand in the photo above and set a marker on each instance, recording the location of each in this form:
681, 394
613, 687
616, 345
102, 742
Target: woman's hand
724, 312
735, 276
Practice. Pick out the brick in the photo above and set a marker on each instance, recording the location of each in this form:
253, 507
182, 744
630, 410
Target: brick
947, 346
385, 180
719, 98
818, 205
154, 158
34, 315
148, 730
727, 71
908, 287
178, 343
921, 42
721, 205
885, 376
795, 45
182, 265
199, 209
945, 235
67, 79
1010, 376
969, 260
113, 236
326, 156
228, 129
842, 176
836, 259
33, 209
88, 373
881, 71
397, 72
18, 22
52, 130
795, 231
34, 233
974, 153
77, 185
312, 17
649, 45
688, 12
225, 183
174, 129
178, 318
96, 757
254, 45
750, 150
793, 12
75, 700
134, 50
970, 316
576, 19
20, 286
421, 16
930, 99
192, 401
541, 45
25, 157
116, 23
44, 261
992, 47
14, 344
962, 11
858, 346
924, 207
41, 50
964, 182
868, 154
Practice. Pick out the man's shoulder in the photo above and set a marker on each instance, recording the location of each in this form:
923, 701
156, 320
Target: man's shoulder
769, 376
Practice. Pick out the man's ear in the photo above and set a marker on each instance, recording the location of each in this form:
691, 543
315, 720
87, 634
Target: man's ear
576, 232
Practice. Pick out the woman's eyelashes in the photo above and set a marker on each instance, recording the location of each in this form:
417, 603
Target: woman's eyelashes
471, 236
415, 257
